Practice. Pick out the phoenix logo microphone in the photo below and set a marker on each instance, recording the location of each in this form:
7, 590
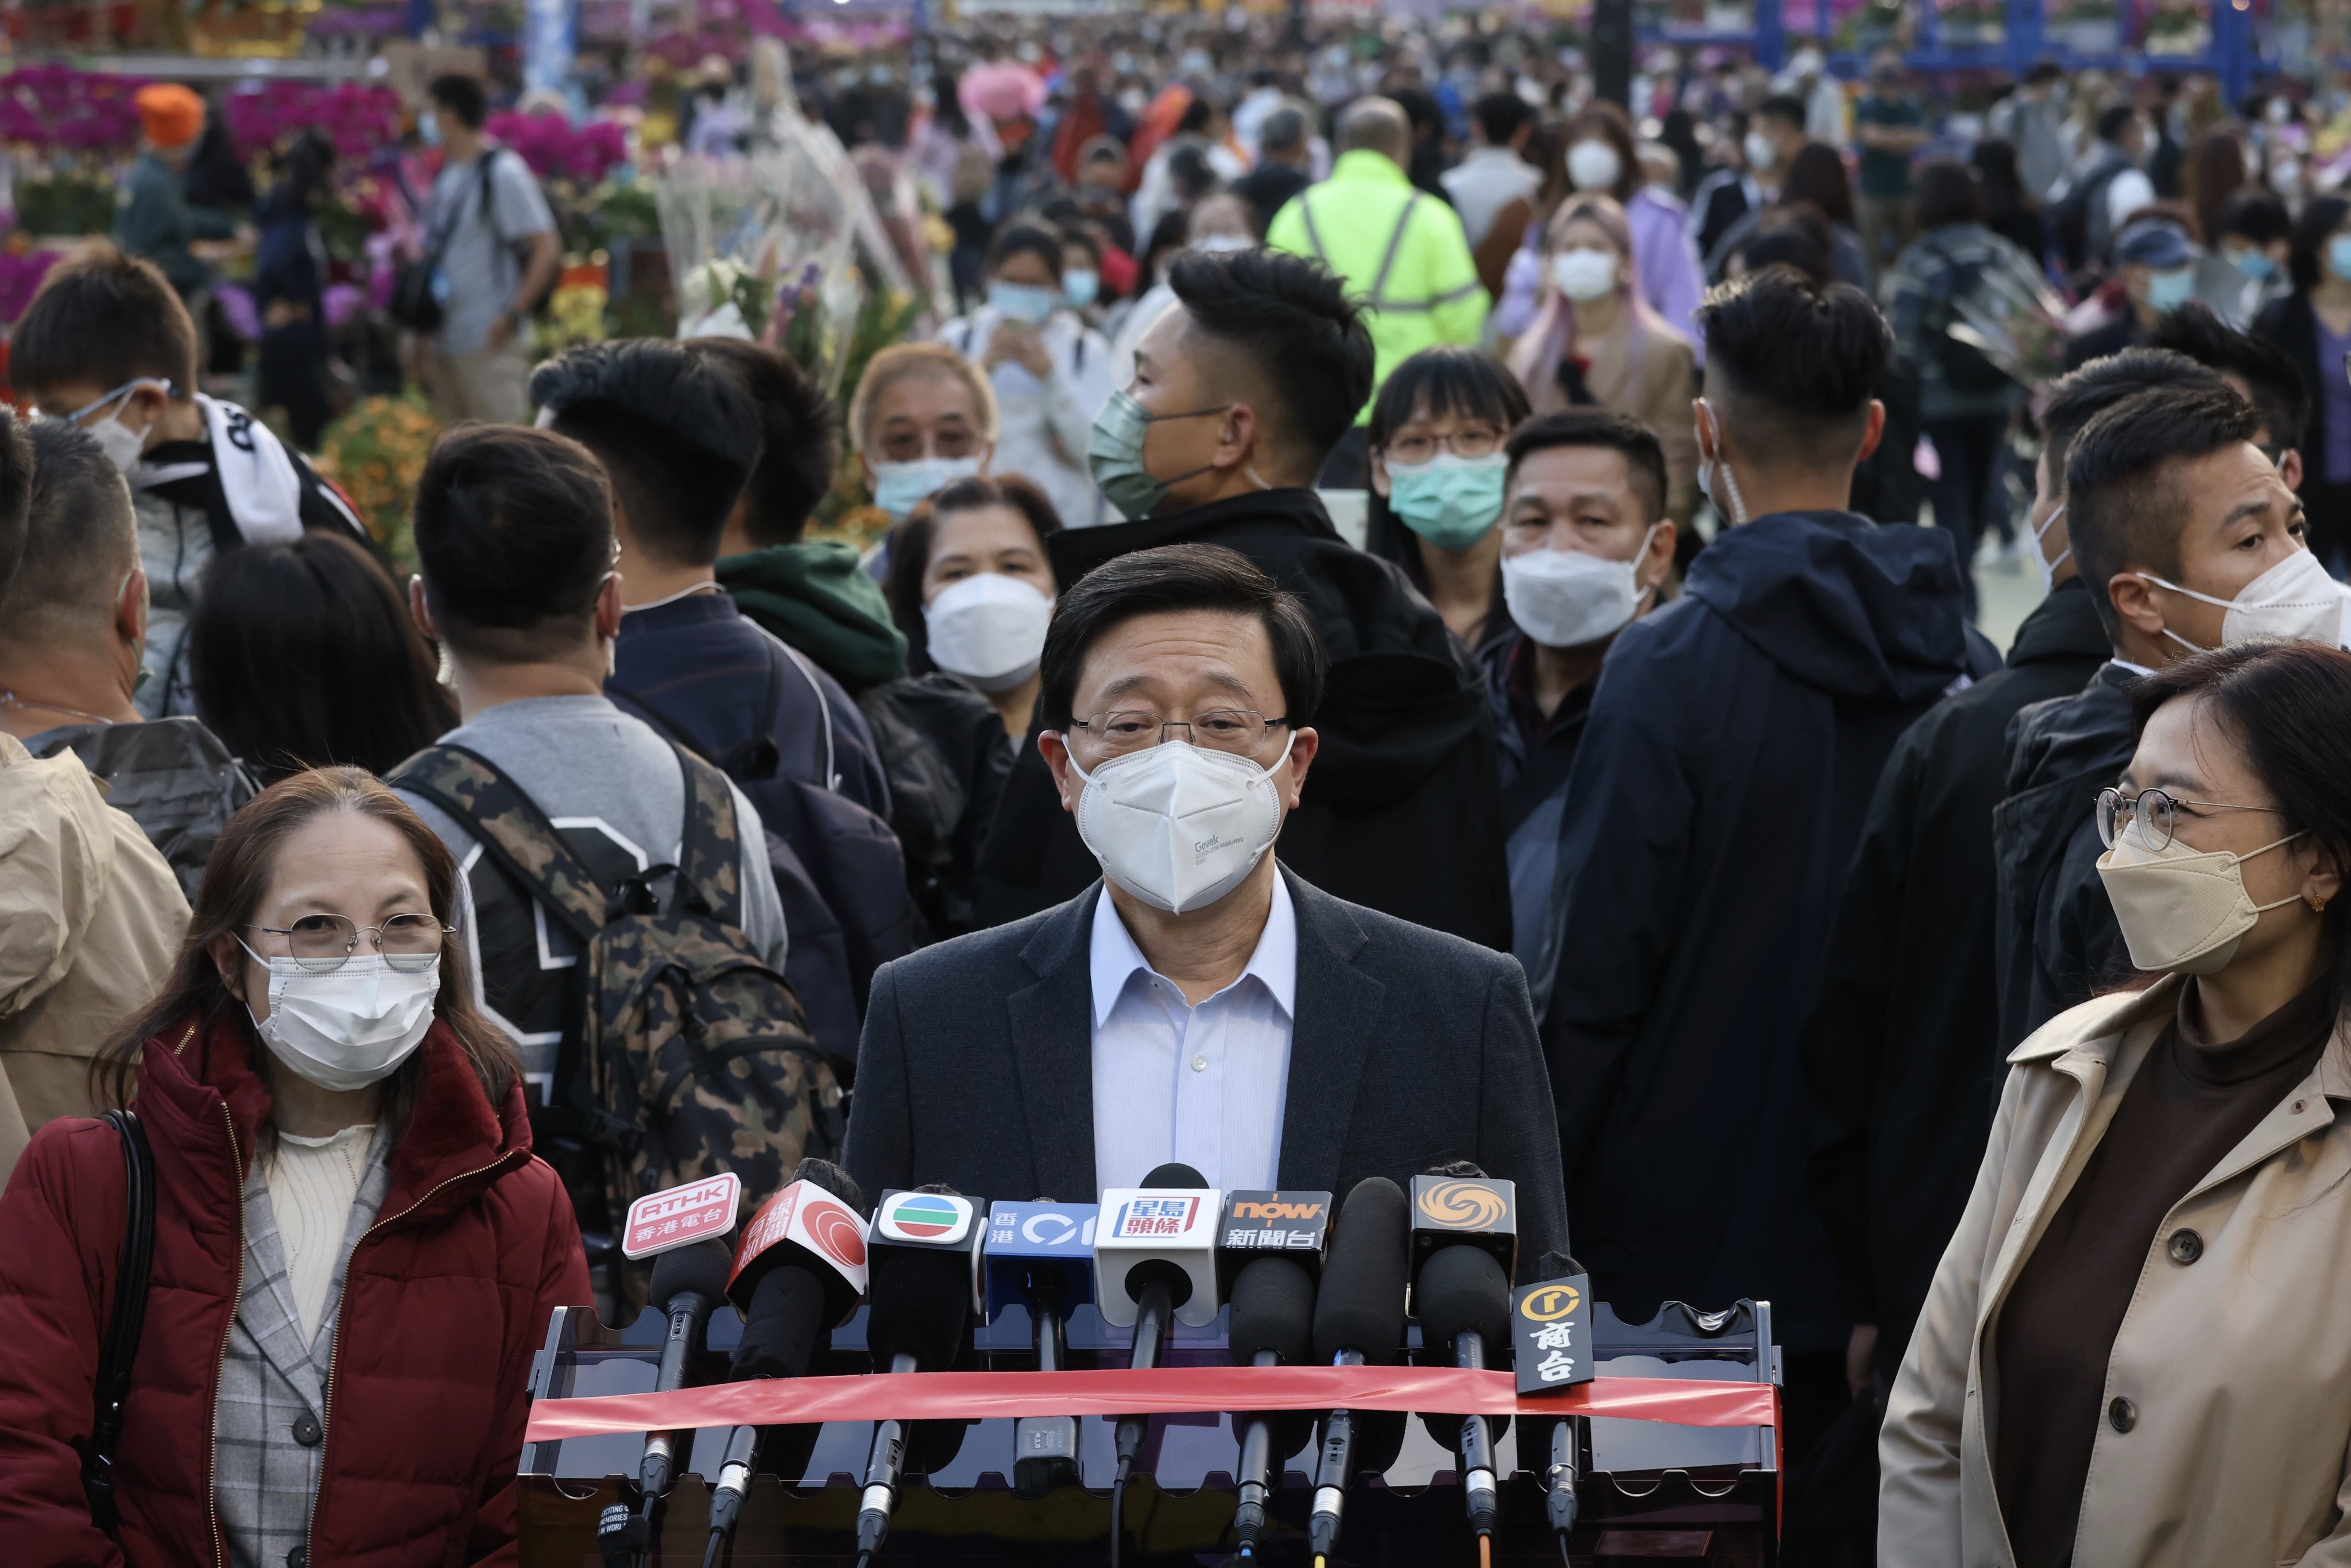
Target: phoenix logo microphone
1464, 1239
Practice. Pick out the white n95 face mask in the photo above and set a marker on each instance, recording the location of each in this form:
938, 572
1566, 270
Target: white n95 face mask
1565, 599
1177, 825
2294, 600
346, 1029
989, 629
2182, 911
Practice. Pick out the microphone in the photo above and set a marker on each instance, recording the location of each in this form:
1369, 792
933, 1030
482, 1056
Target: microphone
1465, 1240
1041, 1256
1358, 1321
1269, 1253
798, 1272
1550, 1324
1154, 1259
923, 1273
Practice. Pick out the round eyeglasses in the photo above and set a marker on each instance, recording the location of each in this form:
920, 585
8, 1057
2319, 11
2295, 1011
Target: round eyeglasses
322, 942
1414, 448
2157, 813
1117, 732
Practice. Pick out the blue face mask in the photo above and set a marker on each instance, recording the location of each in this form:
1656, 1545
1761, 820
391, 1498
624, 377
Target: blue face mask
898, 486
1029, 302
1449, 501
2255, 265
1081, 288
2168, 291
2339, 256
428, 129
1114, 454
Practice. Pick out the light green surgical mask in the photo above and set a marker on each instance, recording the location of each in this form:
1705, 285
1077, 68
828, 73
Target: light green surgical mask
1449, 501
1114, 454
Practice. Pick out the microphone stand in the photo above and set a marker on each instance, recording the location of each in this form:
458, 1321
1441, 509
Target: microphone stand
1045, 1448
1156, 1309
1332, 1477
1477, 1445
881, 1472
1257, 1464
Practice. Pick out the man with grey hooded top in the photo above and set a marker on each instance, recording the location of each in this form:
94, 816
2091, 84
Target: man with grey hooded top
1733, 742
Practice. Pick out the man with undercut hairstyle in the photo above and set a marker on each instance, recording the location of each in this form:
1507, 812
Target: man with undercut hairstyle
1902, 1053
1240, 390
2187, 538
1727, 763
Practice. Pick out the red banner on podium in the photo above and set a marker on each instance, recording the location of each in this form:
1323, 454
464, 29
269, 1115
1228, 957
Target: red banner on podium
1166, 1391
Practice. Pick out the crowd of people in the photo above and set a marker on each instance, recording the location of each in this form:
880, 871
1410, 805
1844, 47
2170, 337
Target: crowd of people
1635, 808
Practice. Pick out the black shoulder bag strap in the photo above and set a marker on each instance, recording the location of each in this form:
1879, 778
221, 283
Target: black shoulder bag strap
112, 1388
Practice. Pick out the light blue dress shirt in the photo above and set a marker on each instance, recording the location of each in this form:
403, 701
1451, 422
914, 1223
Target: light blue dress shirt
1206, 1084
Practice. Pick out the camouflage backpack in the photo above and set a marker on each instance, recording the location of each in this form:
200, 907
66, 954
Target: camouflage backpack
683, 1054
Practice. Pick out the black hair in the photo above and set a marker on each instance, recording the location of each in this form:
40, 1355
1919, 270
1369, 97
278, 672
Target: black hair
1039, 238
104, 319
1500, 116
15, 495
1816, 175
2306, 260
1463, 381
2119, 510
513, 536
671, 428
2257, 215
2279, 393
1784, 107
2113, 119
1085, 238
2042, 71
76, 534
2288, 707
910, 548
1950, 191
303, 655
1196, 115
1281, 130
1645, 455
1289, 322
1171, 580
1797, 360
462, 95
2077, 398
799, 437
1798, 239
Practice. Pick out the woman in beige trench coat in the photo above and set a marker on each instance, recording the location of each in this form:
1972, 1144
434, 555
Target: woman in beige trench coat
2137, 1353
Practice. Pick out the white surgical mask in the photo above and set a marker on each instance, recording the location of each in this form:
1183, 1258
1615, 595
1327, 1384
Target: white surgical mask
2041, 562
121, 445
1179, 826
1566, 598
2182, 911
898, 486
989, 629
2294, 600
346, 1029
1594, 166
1761, 153
1584, 273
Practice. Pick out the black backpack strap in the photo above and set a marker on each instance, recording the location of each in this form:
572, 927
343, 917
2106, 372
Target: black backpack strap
710, 848
112, 1388
512, 830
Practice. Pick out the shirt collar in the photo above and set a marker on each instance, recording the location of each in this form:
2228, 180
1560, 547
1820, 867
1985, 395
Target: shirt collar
1363, 164
1114, 958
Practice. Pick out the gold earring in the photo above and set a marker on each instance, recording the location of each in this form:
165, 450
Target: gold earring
2317, 905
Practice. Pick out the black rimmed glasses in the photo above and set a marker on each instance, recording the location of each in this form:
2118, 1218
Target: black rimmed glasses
2157, 813
323, 943
1117, 732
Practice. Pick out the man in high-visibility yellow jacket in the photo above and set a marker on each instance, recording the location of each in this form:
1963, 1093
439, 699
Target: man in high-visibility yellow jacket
1400, 249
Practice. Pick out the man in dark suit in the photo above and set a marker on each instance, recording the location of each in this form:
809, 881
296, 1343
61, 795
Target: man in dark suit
1199, 1003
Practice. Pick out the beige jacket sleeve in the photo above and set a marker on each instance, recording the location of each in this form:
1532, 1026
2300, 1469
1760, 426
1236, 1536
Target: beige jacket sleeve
1672, 383
1918, 1493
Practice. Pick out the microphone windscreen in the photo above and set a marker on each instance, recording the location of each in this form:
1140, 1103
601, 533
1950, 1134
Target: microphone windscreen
1359, 1306
700, 1268
836, 1181
1174, 1173
919, 1302
1462, 1289
785, 1319
1273, 1309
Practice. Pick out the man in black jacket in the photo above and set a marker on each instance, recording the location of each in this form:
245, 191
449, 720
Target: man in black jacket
1198, 1003
1902, 1055
1240, 391
1732, 745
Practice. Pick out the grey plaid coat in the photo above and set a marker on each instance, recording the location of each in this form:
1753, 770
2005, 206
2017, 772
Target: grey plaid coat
269, 1422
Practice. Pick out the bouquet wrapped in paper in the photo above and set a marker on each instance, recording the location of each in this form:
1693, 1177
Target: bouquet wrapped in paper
2010, 315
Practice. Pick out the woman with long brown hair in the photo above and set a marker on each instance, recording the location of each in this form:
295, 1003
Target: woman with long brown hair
355, 1252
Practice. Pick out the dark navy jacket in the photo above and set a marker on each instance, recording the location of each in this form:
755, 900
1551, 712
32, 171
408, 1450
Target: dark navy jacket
1735, 738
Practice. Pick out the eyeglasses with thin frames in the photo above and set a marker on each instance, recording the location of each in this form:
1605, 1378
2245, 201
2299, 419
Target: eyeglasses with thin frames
324, 943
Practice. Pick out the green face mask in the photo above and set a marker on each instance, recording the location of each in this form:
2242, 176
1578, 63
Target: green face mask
1114, 454
1449, 501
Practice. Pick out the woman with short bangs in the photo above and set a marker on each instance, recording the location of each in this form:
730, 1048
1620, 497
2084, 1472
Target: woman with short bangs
355, 1253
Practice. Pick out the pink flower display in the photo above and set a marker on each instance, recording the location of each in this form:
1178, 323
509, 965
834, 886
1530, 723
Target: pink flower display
19, 276
57, 108
357, 117
554, 147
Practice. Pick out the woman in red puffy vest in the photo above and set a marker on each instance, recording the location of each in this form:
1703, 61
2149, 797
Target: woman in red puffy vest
355, 1253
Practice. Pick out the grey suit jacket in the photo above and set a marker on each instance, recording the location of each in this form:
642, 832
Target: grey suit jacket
1411, 1048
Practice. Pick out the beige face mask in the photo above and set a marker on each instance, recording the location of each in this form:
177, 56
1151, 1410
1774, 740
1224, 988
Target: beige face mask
2182, 911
